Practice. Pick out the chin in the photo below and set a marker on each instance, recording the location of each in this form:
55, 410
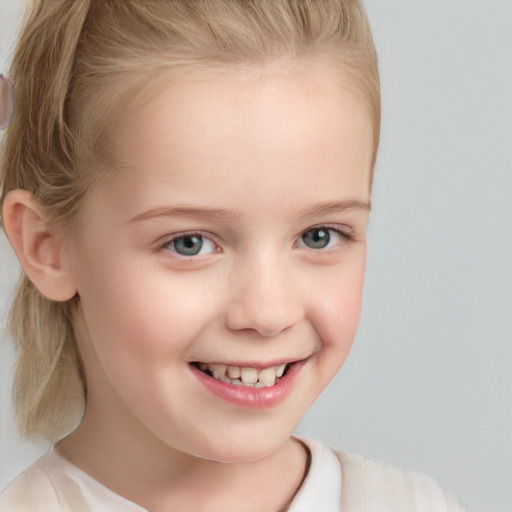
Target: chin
242, 448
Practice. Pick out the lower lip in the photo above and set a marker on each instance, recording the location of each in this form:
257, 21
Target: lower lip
247, 396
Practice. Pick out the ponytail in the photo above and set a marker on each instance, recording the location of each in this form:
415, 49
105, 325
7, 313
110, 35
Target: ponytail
48, 389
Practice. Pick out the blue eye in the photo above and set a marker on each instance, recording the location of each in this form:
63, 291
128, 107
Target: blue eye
191, 245
322, 238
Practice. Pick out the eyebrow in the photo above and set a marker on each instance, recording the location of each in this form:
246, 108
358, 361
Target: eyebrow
333, 207
223, 213
185, 211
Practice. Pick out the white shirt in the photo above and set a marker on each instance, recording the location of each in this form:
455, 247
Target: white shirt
336, 482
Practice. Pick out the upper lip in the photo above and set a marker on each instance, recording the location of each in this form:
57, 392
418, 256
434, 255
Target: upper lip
253, 364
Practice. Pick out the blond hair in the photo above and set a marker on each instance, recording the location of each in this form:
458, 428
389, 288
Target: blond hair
6, 102
77, 63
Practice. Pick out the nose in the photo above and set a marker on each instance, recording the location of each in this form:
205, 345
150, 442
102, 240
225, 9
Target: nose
264, 298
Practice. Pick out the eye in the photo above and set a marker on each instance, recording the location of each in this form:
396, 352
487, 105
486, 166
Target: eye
191, 244
323, 238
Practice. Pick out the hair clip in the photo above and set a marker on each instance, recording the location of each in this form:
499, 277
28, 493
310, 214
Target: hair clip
6, 102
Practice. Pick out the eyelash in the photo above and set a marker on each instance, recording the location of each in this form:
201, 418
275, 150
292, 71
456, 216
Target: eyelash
345, 235
166, 245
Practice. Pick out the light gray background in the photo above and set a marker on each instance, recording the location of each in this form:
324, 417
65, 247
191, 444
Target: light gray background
428, 385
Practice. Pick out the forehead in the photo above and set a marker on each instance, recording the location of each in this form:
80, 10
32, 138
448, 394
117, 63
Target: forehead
268, 131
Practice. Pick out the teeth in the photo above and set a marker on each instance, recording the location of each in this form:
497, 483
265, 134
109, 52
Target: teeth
244, 376
234, 372
218, 370
280, 370
249, 375
267, 376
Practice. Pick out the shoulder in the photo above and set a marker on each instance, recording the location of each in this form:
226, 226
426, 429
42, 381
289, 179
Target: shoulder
371, 486
32, 490
52, 484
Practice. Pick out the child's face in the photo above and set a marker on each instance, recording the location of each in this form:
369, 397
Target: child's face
236, 237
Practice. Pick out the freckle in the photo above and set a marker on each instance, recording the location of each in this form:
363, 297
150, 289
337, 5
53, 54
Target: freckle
6, 102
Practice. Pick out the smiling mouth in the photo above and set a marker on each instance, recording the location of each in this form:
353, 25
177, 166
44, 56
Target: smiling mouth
244, 376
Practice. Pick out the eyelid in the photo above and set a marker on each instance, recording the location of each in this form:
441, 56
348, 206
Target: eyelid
347, 235
167, 240
345, 231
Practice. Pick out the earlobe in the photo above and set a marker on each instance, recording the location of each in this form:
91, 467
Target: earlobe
38, 245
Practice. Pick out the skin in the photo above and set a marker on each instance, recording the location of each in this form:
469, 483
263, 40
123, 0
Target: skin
271, 148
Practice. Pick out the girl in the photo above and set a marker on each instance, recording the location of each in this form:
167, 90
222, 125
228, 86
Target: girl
187, 187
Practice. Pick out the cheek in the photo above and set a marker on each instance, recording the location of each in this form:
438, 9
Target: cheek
334, 314
137, 311
338, 308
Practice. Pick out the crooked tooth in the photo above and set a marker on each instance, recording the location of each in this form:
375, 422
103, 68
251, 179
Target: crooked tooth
280, 369
234, 372
249, 375
244, 376
218, 370
267, 376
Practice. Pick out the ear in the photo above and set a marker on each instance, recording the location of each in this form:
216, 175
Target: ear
39, 247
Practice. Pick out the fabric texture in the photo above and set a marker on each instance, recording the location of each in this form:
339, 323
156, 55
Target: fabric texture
336, 482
